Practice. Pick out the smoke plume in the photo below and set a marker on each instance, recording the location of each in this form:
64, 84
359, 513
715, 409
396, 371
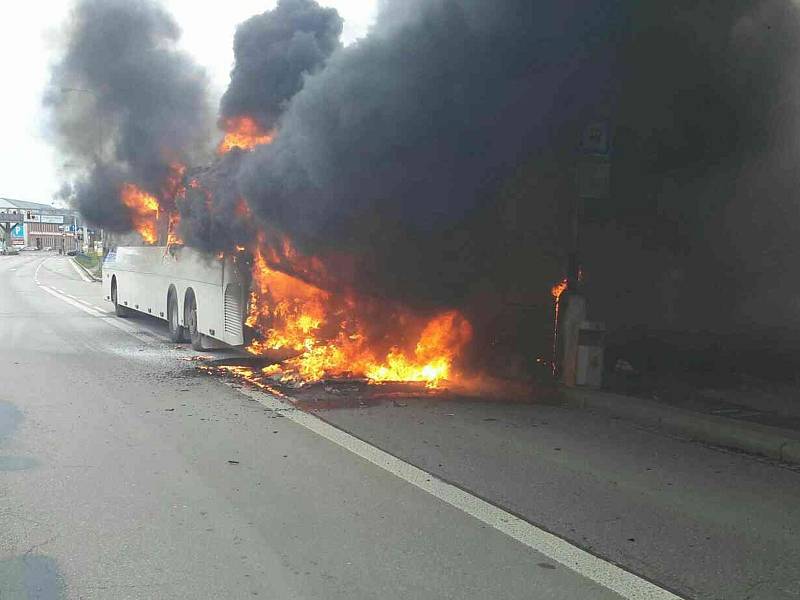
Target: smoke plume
396, 151
273, 52
125, 103
436, 157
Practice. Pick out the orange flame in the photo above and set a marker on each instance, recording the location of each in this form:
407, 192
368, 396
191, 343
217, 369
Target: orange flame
325, 330
559, 289
173, 237
144, 209
242, 132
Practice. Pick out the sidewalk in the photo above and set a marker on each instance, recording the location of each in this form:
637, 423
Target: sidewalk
713, 420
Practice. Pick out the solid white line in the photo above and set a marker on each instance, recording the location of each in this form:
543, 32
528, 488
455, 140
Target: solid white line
79, 271
608, 575
36, 272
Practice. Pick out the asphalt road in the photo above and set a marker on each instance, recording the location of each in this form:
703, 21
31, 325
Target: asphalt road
125, 473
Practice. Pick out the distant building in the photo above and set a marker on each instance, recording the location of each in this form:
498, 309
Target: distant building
38, 225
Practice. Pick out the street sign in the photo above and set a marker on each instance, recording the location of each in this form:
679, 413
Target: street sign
18, 231
55, 219
7, 217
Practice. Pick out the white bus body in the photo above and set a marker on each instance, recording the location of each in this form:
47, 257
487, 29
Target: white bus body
206, 292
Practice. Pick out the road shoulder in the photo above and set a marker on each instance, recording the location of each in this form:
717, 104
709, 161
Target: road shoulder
772, 442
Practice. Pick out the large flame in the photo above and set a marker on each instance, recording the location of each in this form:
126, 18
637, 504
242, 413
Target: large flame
559, 288
144, 209
242, 132
331, 339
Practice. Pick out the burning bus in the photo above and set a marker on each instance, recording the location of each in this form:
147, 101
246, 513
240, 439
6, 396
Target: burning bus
267, 296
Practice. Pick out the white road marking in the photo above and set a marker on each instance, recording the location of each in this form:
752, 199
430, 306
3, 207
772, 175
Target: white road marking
62, 296
608, 575
36, 272
79, 271
604, 573
93, 311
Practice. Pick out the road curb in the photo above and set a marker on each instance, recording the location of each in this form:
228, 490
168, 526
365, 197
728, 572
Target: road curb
84, 269
773, 442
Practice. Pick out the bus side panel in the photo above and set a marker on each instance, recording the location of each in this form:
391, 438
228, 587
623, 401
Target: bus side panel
145, 274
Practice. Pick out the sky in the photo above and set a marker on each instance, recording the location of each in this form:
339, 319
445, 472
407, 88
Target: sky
30, 168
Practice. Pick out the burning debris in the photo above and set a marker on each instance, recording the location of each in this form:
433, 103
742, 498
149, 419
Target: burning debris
330, 332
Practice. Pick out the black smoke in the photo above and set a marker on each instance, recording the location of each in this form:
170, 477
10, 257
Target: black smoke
125, 103
398, 149
273, 52
438, 154
441, 152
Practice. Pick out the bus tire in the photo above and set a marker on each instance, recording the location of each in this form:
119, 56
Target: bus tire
176, 331
119, 310
190, 319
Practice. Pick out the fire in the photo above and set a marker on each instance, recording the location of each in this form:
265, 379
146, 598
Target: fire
559, 289
242, 209
242, 132
173, 237
173, 186
327, 333
144, 209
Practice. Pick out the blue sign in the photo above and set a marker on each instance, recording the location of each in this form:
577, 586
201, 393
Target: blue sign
18, 231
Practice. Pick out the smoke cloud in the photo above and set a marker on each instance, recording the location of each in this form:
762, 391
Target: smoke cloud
274, 51
396, 150
436, 157
125, 102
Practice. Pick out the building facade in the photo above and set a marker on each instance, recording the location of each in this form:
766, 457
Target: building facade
42, 226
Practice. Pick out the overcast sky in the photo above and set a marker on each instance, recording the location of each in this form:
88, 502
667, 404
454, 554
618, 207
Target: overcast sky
29, 166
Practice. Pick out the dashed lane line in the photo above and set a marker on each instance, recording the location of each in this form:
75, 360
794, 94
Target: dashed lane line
92, 310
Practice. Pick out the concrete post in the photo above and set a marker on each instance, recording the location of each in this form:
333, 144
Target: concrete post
572, 315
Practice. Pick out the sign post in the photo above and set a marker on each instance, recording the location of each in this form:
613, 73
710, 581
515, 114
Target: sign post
592, 182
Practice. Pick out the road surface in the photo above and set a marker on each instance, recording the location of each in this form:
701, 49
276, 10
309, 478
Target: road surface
125, 473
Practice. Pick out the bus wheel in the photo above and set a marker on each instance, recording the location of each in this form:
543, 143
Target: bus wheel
119, 310
176, 330
191, 323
